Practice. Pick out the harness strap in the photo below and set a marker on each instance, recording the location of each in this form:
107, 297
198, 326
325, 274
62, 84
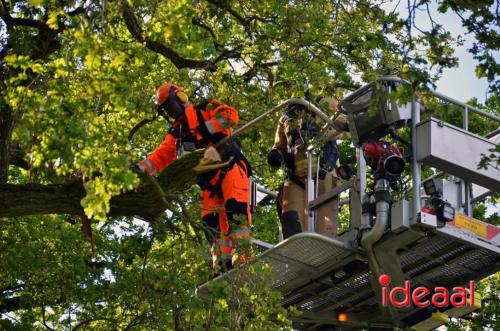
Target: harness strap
231, 148
207, 136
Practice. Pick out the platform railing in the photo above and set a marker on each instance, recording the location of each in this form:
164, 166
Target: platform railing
314, 202
465, 126
415, 166
467, 201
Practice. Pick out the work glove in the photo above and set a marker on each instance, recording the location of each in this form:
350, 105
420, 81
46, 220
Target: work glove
211, 160
274, 158
211, 155
344, 171
137, 169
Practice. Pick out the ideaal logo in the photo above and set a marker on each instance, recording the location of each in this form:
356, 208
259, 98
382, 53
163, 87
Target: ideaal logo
440, 296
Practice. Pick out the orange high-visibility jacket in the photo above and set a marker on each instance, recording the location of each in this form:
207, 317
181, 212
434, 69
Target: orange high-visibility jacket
218, 118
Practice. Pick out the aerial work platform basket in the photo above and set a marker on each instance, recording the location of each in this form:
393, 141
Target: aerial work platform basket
334, 282
324, 277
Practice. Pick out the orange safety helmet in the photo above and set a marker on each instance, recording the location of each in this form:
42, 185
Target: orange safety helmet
171, 100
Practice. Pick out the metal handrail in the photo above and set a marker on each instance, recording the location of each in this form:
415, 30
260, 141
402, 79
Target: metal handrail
464, 105
396, 79
310, 106
493, 134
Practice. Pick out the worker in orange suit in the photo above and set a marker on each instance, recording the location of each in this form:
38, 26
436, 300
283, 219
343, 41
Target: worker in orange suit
225, 192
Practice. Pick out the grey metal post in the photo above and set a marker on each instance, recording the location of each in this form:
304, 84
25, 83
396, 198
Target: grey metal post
415, 166
466, 118
310, 191
361, 173
468, 205
466, 184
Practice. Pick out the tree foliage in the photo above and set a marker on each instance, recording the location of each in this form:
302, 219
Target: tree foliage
75, 76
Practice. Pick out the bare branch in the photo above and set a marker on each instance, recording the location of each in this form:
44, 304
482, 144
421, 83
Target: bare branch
224, 6
77, 11
202, 25
180, 62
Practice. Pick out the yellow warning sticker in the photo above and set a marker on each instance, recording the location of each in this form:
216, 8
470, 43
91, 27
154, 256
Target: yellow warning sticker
471, 224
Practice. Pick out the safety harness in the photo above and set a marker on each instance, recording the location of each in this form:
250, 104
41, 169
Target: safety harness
329, 151
228, 151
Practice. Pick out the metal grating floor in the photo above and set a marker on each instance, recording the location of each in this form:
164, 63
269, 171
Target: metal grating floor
322, 276
446, 261
298, 261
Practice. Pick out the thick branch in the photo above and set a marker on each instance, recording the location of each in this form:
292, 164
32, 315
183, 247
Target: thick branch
37, 199
146, 201
180, 62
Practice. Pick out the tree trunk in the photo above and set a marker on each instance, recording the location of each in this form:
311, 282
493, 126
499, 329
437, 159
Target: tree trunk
16, 157
6, 126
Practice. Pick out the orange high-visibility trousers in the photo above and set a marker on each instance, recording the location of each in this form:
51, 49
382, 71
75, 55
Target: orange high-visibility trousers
227, 214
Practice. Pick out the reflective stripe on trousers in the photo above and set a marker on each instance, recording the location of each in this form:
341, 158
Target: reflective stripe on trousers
222, 249
243, 249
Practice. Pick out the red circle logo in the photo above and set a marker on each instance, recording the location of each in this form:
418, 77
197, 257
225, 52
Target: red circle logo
384, 280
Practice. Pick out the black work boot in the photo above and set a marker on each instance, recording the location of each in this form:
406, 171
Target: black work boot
222, 267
